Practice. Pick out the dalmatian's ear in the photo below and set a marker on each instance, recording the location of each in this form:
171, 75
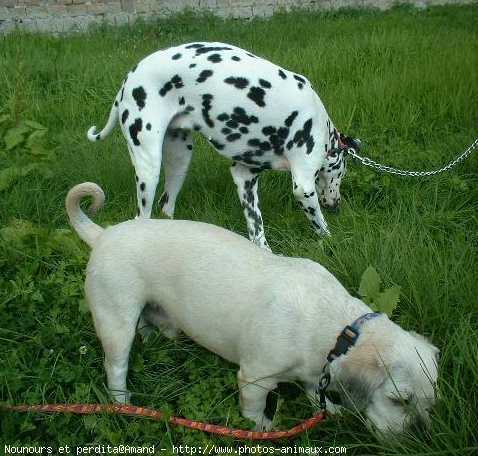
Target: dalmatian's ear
357, 143
354, 143
348, 141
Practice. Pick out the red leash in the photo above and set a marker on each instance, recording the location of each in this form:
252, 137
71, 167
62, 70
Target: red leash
132, 410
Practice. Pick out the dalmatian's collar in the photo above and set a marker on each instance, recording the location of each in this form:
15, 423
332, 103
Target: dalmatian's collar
344, 143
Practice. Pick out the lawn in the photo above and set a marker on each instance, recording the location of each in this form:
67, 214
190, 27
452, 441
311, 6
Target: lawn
404, 81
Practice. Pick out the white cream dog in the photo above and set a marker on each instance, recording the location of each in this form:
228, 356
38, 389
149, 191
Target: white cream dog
276, 317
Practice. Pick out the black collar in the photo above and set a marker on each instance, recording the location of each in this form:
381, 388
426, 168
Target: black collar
349, 336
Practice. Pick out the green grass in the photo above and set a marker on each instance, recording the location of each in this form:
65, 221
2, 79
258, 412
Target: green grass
404, 81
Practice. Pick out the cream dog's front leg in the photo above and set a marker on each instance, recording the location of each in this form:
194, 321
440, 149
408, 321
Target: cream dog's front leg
253, 393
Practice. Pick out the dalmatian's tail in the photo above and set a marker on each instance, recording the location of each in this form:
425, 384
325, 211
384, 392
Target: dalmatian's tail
112, 120
86, 229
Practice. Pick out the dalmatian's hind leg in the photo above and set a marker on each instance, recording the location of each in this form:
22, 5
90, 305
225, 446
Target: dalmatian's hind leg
145, 142
246, 183
177, 153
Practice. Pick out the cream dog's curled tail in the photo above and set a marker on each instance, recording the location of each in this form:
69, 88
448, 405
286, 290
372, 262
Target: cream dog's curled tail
86, 229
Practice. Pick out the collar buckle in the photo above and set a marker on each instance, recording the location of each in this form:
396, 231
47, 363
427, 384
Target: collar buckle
345, 340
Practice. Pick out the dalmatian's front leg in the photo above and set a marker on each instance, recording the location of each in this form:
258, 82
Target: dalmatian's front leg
303, 186
246, 183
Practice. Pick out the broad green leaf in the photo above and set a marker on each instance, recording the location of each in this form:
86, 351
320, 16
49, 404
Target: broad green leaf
369, 284
35, 137
387, 300
15, 136
17, 230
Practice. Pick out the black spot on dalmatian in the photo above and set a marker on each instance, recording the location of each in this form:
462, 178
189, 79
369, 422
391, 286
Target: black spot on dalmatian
316, 224
197, 127
166, 88
233, 137
116, 102
238, 83
282, 74
206, 103
262, 167
175, 81
189, 146
311, 210
301, 81
251, 55
182, 101
122, 93
134, 69
189, 108
276, 138
98, 137
235, 58
205, 49
257, 143
302, 137
309, 195
195, 46
239, 115
139, 96
223, 117
204, 75
124, 116
232, 124
265, 84
176, 56
142, 186
143, 201
134, 129
192, 65
148, 126
215, 58
216, 144
291, 118
136, 178
137, 212
256, 94
226, 131
244, 130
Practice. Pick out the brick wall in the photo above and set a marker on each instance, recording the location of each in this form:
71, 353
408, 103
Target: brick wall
59, 16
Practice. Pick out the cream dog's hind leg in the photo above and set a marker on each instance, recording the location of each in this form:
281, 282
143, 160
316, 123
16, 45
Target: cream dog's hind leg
115, 312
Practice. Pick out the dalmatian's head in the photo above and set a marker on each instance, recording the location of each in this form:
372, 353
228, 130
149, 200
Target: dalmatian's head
333, 170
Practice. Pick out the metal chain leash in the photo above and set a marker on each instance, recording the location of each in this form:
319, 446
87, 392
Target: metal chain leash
404, 172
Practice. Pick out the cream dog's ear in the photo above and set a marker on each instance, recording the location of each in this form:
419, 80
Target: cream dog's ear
359, 372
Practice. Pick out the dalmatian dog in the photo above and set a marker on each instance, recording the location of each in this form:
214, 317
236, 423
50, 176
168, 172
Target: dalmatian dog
188, 276
251, 111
